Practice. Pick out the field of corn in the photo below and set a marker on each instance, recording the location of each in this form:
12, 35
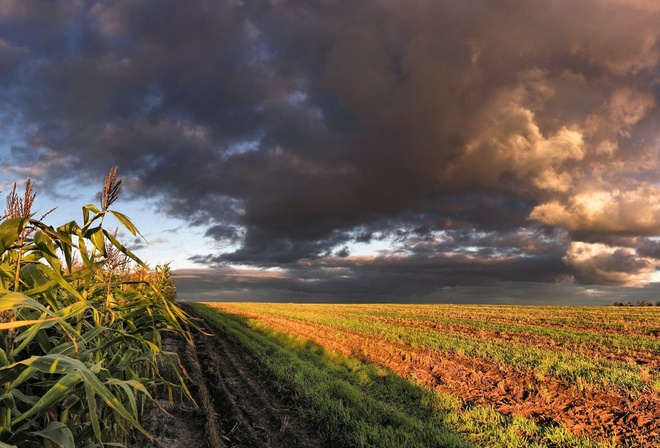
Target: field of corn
485, 375
81, 320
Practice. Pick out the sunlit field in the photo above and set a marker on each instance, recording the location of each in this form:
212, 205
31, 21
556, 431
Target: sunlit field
475, 375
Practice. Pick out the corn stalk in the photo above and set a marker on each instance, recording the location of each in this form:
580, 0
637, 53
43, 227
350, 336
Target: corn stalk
79, 350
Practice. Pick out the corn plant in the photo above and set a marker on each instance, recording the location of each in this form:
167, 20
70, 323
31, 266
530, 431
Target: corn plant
80, 347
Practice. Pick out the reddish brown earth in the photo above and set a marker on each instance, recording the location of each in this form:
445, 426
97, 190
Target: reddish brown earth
595, 351
238, 405
603, 415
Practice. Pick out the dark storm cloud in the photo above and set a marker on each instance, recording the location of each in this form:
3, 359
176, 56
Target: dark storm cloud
229, 285
339, 278
506, 140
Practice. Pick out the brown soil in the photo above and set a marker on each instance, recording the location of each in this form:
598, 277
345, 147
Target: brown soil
604, 415
593, 350
238, 404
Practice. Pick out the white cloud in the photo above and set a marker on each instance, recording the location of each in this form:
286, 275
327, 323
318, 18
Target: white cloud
600, 263
635, 211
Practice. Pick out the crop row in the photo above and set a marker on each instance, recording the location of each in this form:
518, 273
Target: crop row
601, 320
568, 364
364, 404
596, 396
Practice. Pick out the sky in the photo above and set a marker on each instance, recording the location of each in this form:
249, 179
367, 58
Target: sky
351, 151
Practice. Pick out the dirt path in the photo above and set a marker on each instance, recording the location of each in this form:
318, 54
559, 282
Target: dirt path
239, 404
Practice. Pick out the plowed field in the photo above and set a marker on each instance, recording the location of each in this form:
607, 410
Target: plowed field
594, 371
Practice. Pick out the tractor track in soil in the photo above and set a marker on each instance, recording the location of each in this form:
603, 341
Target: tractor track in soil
239, 405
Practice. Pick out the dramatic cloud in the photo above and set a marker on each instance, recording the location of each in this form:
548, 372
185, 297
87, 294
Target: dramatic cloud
598, 263
481, 142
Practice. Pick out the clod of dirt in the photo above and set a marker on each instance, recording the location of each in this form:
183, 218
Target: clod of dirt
181, 427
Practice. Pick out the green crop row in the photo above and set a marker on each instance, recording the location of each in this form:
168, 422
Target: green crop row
571, 337
634, 320
80, 328
567, 365
446, 315
362, 405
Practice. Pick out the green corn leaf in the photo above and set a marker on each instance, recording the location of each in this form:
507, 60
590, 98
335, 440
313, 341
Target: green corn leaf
54, 364
64, 234
57, 277
60, 236
7, 271
44, 243
25, 442
25, 323
69, 348
10, 229
95, 235
93, 412
20, 396
14, 300
3, 358
24, 370
36, 326
87, 211
59, 318
65, 230
123, 250
6, 445
40, 284
7, 400
54, 395
44, 341
11, 372
59, 433
86, 260
127, 223
47, 248
126, 386
58, 364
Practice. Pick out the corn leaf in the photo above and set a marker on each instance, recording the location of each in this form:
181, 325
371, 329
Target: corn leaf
14, 300
72, 367
60, 280
10, 229
45, 244
123, 250
40, 284
127, 223
87, 211
25, 323
95, 235
20, 396
47, 248
69, 348
126, 385
55, 394
58, 433
93, 412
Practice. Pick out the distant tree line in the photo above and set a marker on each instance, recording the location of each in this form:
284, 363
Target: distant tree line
639, 303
